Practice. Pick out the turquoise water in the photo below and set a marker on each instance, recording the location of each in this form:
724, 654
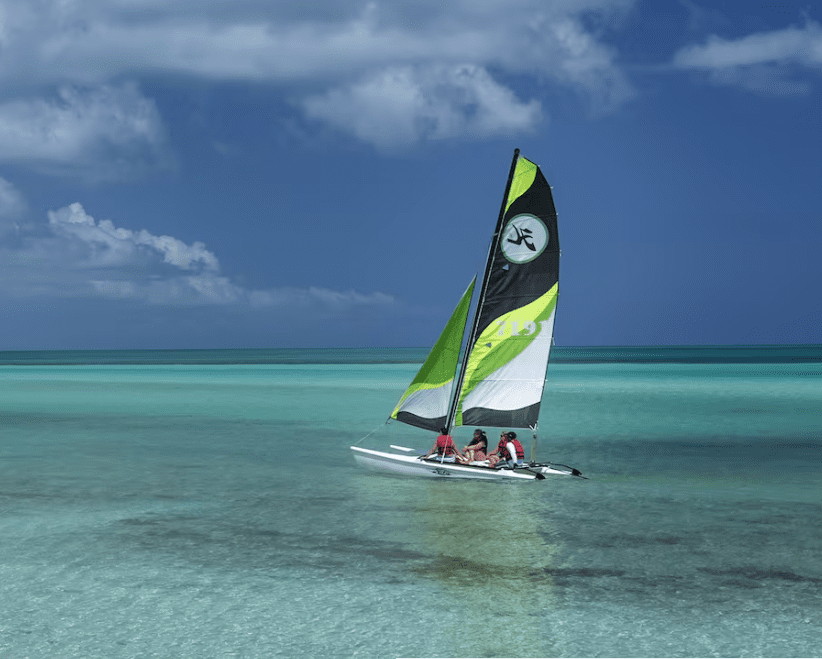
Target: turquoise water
211, 508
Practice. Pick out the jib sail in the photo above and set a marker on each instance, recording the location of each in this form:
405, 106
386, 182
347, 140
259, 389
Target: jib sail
426, 402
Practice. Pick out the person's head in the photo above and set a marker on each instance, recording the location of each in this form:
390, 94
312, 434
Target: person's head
511, 434
443, 431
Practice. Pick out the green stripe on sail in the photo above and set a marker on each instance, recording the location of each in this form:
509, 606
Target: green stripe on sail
503, 340
524, 176
440, 366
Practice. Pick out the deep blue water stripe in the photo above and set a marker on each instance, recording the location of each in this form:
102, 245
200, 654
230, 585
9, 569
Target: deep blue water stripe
754, 354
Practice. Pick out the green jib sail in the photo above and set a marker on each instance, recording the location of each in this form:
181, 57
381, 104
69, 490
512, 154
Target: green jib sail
425, 403
502, 381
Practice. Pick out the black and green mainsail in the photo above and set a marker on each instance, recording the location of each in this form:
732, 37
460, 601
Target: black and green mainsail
501, 381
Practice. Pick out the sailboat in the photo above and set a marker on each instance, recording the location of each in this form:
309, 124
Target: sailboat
499, 383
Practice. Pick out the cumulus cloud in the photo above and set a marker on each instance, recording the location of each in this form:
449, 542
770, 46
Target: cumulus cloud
450, 47
580, 62
109, 246
78, 256
105, 132
400, 106
761, 62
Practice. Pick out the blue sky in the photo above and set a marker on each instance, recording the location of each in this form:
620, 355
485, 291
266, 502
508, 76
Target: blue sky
277, 174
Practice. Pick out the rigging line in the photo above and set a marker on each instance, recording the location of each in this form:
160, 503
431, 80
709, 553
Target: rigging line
371, 433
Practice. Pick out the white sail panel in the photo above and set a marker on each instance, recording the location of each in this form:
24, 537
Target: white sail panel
428, 403
518, 383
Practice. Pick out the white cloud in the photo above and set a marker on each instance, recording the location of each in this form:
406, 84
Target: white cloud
214, 289
11, 201
109, 245
79, 257
587, 65
91, 42
760, 62
314, 295
400, 106
12, 206
106, 132
206, 288
803, 45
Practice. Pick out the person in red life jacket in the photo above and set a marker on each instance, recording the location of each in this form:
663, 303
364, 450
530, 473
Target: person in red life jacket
509, 451
444, 447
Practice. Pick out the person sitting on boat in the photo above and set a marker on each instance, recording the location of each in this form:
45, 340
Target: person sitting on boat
476, 450
444, 447
508, 452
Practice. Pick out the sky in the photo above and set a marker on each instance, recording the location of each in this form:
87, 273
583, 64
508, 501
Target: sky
265, 174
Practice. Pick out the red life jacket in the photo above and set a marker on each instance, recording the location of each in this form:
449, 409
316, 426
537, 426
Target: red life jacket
446, 443
503, 449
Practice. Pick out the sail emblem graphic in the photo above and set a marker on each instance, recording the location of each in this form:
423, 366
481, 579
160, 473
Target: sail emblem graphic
524, 238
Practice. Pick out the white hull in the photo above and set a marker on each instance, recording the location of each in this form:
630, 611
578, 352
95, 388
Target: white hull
410, 465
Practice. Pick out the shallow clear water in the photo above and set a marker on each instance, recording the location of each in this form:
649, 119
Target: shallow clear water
214, 510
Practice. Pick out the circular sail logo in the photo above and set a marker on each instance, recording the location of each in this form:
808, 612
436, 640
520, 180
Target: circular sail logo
524, 238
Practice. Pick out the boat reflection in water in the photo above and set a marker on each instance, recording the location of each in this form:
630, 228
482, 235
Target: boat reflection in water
490, 561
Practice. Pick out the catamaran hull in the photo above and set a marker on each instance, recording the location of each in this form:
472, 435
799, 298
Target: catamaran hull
410, 465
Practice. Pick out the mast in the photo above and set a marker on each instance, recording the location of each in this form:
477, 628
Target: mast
452, 409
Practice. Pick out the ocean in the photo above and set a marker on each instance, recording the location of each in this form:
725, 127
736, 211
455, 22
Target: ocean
203, 504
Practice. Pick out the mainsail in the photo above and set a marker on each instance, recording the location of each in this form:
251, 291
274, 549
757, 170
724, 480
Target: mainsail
425, 403
502, 379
